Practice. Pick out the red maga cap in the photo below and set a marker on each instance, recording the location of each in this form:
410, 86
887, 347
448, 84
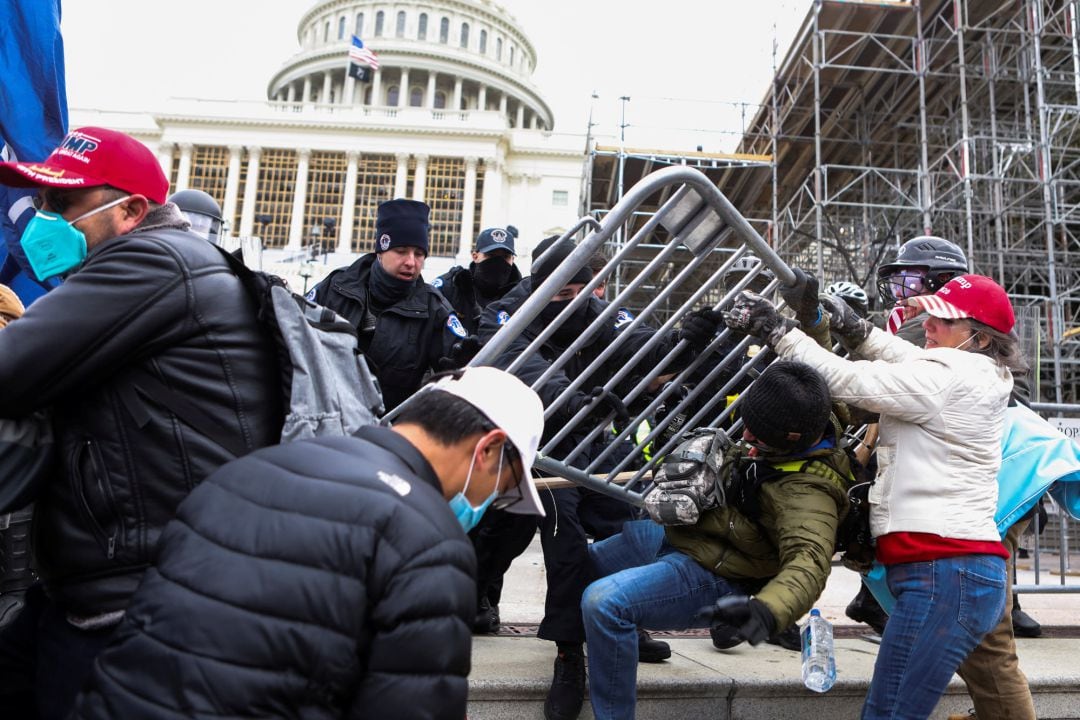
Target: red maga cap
90, 157
970, 296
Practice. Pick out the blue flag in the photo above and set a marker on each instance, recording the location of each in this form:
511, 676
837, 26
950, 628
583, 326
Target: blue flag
33, 120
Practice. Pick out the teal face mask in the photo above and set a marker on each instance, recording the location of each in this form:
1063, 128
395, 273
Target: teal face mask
54, 246
467, 515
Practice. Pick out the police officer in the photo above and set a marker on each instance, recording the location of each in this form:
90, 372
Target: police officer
202, 211
491, 274
405, 327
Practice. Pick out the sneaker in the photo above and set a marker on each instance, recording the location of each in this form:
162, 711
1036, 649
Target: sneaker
487, 618
788, 639
649, 650
567, 693
864, 608
1024, 625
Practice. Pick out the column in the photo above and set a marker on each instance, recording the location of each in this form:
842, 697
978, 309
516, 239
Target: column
165, 158
339, 92
520, 121
232, 184
376, 88
403, 89
401, 180
468, 213
305, 96
327, 85
183, 173
431, 77
291, 95
251, 189
296, 227
502, 105
491, 201
534, 122
349, 91
481, 99
420, 180
457, 94
348, 204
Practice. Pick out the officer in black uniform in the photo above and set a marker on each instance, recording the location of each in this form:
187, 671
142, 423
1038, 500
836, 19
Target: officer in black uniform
405, 327
491, 274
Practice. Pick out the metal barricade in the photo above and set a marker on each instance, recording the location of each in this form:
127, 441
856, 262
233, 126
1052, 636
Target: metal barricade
693, 218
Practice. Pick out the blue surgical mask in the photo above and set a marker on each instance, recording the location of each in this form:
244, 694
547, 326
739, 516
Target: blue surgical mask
54, 246
463, 510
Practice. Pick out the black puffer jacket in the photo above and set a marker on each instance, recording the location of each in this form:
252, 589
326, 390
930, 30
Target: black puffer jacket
460, 290
410, 336
163, 301
337, 586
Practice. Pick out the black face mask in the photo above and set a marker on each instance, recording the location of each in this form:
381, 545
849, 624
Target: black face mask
385, 288
574, 325
491, 275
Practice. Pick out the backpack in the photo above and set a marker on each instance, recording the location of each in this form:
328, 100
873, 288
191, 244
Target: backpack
326, 386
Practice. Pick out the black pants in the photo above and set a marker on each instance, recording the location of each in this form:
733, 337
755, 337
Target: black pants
44, 660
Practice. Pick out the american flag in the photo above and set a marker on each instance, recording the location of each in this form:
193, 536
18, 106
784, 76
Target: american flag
360, 54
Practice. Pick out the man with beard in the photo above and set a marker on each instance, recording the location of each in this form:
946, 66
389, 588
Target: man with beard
491, 274
405, 327
572, 514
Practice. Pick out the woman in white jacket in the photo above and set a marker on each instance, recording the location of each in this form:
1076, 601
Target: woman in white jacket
932, 507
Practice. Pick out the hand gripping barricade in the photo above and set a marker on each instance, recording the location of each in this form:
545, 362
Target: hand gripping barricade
685, 248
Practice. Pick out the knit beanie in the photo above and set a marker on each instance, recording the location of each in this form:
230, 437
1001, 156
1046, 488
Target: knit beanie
787, 407
554, 252
402, 223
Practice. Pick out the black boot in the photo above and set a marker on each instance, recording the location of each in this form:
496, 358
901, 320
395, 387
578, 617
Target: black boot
788, 639
649, 650
864, 608
567, 693
487, 618
1023, 624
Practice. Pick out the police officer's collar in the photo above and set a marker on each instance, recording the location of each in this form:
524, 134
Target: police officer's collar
352, 282
393, 442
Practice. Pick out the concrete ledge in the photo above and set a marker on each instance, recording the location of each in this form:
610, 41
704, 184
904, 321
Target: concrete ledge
511, 675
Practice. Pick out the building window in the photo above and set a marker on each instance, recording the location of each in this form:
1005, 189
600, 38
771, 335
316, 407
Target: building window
374, 184
440, 100
273, 206
359, 24
498, 49
560, 198
341, 29
464, 35
392, 95
421, 32
416, 97
399, 29
511, 56
322, 206
444, 194
379, 18
483, 42
444, 30
326, 32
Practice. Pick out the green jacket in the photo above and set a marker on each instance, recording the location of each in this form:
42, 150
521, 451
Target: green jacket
788, 551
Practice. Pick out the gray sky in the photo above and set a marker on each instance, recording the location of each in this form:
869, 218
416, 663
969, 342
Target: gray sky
681, 61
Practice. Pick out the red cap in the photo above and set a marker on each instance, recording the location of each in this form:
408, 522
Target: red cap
970, 296
89, 157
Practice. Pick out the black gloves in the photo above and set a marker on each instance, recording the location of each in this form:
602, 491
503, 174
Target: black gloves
844, 323
608, 403
699, 327
754, 315
802, 297
741, 617
461, 353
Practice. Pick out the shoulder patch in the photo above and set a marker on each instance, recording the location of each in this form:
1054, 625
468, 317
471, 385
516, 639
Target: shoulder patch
437, 283
623, 317
455, 326
397, 483
503, 317
311, 294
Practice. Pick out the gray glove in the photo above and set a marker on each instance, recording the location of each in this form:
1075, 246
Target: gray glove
754, 315
844, 323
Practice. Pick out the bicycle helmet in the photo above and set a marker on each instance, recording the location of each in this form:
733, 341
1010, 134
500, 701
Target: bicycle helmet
852, 294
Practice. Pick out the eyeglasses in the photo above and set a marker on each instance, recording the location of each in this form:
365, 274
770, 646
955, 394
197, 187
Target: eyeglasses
516, 494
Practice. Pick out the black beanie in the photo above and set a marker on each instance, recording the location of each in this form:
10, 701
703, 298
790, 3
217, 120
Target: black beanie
559, 251
401, 223
787, 407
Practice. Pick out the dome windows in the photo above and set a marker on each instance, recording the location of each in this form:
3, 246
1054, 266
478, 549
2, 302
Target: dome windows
399, 28
444, 30
483, 42
465, 35
421, 28
341, 29
359, 25
380, 18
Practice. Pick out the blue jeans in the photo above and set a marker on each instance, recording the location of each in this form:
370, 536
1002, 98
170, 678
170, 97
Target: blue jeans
644, 582
943, 609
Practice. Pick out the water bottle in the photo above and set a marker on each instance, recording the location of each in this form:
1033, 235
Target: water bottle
818, 654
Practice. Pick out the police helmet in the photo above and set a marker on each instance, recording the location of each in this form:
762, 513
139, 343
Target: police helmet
923, 264
851, 294
202, 211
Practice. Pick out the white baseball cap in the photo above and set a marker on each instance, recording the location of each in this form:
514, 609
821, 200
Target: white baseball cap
511, 406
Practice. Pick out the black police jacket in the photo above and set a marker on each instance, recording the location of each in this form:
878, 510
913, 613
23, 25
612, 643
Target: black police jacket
410, 337
160, 301
458, 288
337, 586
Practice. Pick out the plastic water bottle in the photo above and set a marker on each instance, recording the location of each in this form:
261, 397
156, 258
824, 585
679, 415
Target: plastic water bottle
818, 654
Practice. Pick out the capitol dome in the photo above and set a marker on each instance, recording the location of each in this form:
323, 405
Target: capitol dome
454, 55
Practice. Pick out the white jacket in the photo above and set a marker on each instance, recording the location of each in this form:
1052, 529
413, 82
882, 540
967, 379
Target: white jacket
939, 445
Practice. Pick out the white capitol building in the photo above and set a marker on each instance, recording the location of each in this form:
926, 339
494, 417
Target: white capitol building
451, 117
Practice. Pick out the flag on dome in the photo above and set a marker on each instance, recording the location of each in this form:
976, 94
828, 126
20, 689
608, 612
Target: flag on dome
361, 60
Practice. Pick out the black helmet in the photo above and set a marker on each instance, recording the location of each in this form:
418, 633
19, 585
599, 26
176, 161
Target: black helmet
202, 211
923, 264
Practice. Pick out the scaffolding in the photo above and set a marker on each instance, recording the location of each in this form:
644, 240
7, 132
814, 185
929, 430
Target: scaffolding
959, 118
